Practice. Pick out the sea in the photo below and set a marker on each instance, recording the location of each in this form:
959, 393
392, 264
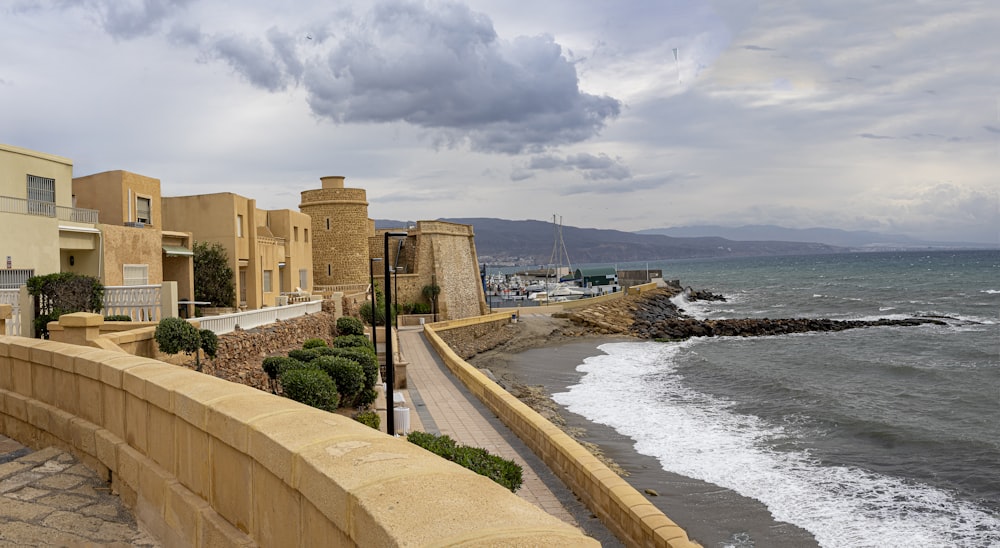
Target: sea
880, 437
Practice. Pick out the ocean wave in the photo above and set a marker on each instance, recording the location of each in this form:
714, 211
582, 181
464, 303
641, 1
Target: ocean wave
699, 436
991, 291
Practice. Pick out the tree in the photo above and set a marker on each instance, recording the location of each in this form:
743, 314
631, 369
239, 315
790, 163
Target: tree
175, 335
213, 277
431, 292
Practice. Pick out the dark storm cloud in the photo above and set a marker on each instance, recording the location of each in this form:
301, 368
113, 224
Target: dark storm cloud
443, 68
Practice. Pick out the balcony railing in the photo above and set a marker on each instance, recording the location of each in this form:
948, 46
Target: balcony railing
9, 204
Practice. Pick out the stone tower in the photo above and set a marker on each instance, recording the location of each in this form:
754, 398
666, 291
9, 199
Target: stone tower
340, 231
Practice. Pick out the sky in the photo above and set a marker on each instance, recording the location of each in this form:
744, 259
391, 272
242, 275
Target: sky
626, 115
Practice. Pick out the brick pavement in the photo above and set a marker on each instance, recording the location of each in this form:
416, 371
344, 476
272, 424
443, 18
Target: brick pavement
47, 498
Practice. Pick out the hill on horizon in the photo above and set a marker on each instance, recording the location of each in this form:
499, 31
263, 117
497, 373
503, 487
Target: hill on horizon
532, 242
829, 236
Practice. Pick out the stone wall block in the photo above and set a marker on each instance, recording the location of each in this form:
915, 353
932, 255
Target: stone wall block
232, 484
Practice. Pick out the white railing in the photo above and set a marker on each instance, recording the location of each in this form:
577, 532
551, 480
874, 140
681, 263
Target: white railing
9, 204
140, 302
250, 319
10, 296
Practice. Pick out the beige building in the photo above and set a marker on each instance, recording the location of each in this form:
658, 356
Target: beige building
269, 251
43, 231
136, 248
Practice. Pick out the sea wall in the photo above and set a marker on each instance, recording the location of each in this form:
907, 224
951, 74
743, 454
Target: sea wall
207, 462
623, 510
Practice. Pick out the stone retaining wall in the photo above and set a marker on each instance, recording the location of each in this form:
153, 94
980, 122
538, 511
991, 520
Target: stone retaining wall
207, 462
623, 510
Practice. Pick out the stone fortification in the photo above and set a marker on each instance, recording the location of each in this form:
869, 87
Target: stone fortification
340, 232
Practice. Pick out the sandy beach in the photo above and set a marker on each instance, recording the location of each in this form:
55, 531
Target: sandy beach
541, 359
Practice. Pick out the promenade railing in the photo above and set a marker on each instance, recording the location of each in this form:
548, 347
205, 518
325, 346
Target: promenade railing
227, 323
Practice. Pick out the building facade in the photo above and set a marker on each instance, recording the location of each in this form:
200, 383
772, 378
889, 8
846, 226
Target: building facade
270, 252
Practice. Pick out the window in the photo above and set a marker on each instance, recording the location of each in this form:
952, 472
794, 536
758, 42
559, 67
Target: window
328, 223
135, 274
239, 226
305, 234
303, 278
41, 195
142, 210
329, 270
267, 280
295, 230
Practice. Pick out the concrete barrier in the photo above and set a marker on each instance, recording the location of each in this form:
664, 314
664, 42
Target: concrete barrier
206, 462
623, 510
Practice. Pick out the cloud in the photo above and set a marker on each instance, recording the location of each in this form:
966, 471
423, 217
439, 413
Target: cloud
620, 187
752, 47
593, 167
873, 136
463, 82
128, 19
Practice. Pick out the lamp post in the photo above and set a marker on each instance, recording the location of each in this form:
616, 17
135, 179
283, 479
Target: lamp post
395, 297
390, 422
371, 283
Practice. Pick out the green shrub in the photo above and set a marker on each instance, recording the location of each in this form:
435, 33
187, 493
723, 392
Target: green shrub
325, 350
366, 398
209, 342
304, 354
63, 293
312, 387
347, 325
274, 366
503, 471
314, 343
365, 311
175, 335
353, 341
347, 374
369, 418
118, 318
420, 308
363, 357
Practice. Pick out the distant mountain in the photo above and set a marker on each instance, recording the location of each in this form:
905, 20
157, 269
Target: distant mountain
531, 242
862, 239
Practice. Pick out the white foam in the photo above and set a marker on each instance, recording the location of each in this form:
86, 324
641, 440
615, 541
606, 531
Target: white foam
696, 435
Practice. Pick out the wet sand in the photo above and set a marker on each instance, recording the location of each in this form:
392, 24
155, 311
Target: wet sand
540, 356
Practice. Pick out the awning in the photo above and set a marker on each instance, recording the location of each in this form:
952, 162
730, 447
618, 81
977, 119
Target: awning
177, 251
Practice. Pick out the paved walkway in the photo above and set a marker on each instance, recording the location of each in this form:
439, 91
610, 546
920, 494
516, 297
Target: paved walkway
444, 406
47, 498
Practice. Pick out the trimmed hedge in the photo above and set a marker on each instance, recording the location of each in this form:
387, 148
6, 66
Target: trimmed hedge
347, 374
503, 471
363, 357
314, 343
304, 354
312, 387
274, 366
347, 325
353, 341
369, 418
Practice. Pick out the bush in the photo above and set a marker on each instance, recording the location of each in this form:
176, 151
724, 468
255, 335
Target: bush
175, 335
347, 325
63, 293
369, 418
366, 398
118, 318
347, 374
274, 366
353, 341
304, 354
363, 357
420, 308
501, 470
312, 387
209, 342
314, 343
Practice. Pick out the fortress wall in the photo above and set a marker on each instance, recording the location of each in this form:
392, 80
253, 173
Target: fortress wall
206, 462
623, 510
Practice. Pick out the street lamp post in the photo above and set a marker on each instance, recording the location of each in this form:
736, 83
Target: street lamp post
371, 283
390, 375
395, 297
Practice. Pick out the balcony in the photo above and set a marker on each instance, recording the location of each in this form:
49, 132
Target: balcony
21, 206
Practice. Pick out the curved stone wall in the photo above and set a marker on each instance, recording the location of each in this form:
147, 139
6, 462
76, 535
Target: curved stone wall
206, 462
623, 510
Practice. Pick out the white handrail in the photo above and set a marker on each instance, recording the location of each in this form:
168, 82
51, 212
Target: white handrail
227, 323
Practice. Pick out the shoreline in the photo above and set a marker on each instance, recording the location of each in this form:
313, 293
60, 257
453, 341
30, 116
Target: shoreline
541, 359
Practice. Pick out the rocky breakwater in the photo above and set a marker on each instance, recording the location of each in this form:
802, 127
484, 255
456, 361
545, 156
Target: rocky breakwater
653, 316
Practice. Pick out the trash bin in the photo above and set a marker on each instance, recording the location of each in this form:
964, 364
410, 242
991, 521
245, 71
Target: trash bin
421, 321
401, 418
513, 318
